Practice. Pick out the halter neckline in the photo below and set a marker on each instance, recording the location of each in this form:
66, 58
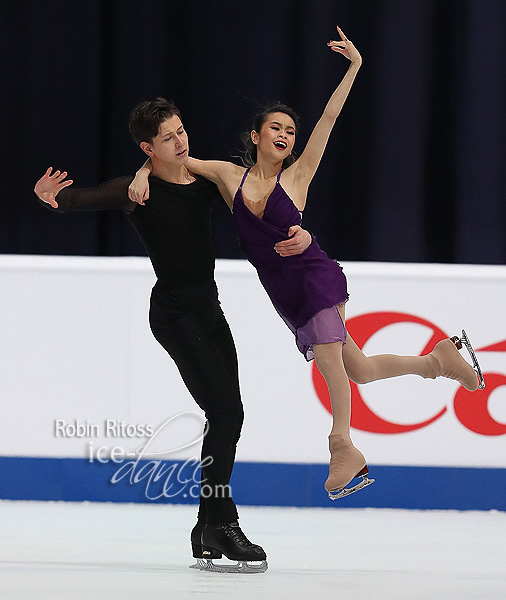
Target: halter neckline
249, 169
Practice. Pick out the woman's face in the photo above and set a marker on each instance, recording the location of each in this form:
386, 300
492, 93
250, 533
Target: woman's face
277, 136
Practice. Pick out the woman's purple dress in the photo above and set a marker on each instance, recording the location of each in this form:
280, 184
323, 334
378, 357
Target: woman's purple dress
304, 288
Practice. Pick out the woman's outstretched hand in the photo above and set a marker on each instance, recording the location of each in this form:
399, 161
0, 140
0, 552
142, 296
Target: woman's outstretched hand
346, 48
138, 190
49, 186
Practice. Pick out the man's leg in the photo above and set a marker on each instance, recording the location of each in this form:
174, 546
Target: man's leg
191, 343
201, 345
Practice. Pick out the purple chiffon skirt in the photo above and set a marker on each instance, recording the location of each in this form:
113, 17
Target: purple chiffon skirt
326, 327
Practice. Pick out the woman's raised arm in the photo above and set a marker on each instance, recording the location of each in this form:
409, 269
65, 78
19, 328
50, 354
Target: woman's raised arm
309, 160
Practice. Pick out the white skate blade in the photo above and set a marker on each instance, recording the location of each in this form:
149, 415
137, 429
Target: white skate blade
347, 491
476, 365
207, 564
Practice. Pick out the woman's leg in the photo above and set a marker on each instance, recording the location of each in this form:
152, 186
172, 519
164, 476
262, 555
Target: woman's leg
444, 360
346, 461
329, 359
364, 369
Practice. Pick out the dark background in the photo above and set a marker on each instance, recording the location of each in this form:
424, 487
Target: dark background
414, 170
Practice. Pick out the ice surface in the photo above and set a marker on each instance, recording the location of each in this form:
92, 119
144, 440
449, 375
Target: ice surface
53, 550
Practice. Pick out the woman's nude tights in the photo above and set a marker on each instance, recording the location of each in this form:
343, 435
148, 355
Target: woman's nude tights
338, 363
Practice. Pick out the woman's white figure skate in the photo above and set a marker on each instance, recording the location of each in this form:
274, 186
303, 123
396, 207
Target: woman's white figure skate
346, 463
452, 365
476, 365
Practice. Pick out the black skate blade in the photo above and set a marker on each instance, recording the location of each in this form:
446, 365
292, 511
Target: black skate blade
335, 495
476, 365
207, 564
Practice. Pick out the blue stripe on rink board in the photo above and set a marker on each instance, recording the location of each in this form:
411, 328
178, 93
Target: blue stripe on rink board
262, 484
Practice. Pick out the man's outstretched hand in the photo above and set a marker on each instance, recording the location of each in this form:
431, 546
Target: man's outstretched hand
49, 186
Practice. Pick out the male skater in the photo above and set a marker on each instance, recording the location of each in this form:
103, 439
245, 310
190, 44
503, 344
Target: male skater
185, 314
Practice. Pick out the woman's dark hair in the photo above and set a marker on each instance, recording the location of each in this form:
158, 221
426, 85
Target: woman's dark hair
146, 118
249, 154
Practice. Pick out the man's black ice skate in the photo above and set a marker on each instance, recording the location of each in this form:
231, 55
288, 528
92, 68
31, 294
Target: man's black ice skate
196, 539
229, 539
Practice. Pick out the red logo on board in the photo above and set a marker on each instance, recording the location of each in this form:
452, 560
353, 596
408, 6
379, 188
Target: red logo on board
471, 408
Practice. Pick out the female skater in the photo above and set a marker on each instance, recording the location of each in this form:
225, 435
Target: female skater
309, 290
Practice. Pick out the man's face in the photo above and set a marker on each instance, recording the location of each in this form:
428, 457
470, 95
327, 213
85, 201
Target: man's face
170, 146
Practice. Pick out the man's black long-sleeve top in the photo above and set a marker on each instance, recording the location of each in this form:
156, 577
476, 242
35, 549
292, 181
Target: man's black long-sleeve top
174, 224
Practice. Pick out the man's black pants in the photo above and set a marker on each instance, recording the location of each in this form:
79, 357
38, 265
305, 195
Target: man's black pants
192, 328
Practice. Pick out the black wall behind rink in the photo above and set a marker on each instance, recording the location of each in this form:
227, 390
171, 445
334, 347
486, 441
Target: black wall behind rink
415, 168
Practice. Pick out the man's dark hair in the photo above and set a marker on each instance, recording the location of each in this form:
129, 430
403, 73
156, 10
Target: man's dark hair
146, 118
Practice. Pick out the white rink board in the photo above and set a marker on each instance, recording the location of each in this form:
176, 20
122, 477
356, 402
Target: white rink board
76, 345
